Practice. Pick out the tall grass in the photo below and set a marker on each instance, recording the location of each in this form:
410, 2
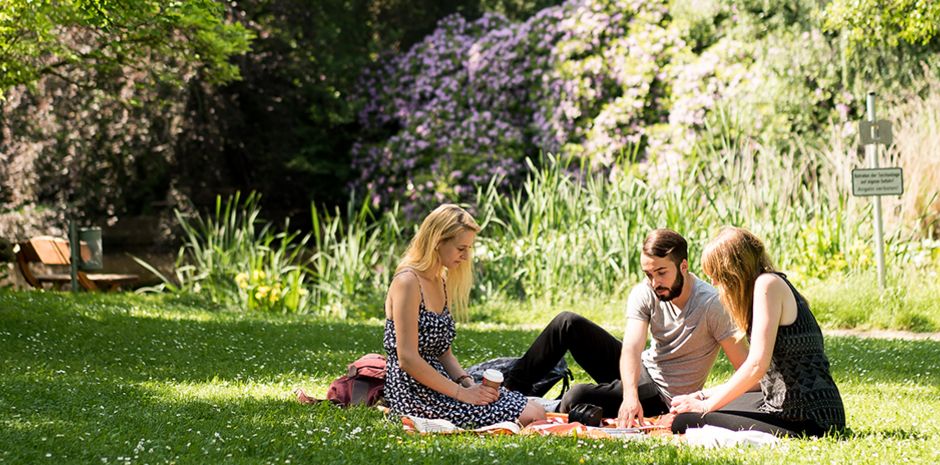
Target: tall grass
570, 231
561, 234
340, 269
354, 257
234, 257
570, 234
916, 149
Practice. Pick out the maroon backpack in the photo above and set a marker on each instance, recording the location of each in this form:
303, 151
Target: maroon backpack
363, 384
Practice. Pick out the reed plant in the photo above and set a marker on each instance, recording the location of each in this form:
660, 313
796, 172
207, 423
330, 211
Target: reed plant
232, 256
916, 150
571, 231
354, 256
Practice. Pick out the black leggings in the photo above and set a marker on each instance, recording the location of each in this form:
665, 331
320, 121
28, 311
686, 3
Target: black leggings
743, 414
595, 350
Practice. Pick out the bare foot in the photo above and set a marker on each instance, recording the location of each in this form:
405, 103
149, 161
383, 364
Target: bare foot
665, 420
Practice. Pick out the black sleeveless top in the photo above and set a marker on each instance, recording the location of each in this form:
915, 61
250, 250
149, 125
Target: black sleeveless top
798, 385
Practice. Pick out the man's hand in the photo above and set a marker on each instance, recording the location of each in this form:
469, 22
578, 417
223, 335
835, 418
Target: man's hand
631, 412
687, 403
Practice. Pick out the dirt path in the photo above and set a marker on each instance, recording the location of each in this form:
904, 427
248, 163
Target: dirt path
883, 334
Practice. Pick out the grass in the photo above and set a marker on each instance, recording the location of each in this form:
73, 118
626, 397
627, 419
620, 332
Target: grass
163, 379
909, 302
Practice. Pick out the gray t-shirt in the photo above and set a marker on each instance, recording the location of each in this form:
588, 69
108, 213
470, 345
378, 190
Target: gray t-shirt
684, 342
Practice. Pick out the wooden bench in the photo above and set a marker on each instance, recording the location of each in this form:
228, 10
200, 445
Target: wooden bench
55, 252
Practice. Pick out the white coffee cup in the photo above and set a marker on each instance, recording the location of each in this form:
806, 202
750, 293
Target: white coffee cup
492, 378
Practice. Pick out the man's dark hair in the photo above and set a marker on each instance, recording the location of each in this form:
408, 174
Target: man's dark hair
666, 243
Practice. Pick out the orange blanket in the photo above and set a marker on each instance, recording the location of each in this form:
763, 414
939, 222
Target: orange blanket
556, 424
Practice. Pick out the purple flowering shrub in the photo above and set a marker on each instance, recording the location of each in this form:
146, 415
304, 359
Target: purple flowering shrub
592, 79
474, 98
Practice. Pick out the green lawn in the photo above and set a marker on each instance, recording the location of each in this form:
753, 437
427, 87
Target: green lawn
854, 301
109, 379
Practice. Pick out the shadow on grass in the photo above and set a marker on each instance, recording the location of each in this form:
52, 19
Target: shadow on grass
69, 419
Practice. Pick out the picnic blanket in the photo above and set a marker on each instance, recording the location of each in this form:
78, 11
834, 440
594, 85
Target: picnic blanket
556, 424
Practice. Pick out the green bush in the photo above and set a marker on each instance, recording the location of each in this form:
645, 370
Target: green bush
235, 258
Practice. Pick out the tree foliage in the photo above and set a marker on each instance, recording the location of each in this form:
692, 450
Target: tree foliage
875, 22
40, 38
133, 105
286, 128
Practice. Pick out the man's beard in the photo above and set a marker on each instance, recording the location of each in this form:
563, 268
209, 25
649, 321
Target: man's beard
673, 291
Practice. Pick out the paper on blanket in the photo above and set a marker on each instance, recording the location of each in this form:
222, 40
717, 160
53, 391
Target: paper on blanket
711, 437
617, 432
426, 425
550, 405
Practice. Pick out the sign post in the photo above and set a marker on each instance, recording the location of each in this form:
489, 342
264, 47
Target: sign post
875, 181
75, 252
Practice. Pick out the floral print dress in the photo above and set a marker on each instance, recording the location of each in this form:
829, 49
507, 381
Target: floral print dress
406, 396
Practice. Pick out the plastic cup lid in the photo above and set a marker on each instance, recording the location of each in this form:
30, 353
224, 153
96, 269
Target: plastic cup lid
493, 375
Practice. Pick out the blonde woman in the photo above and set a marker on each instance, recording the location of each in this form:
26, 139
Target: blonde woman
424, 378
798, 396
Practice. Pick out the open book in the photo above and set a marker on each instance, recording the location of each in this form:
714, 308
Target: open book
425, 425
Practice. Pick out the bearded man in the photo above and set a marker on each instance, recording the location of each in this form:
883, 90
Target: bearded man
680, 312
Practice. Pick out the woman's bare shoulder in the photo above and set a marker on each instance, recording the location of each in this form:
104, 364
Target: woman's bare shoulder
404, 278
403, 285
769, 283
769, 278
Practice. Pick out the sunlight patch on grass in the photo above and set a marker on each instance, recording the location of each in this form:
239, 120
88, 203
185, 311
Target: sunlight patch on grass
217, 390
909, 301
606, 311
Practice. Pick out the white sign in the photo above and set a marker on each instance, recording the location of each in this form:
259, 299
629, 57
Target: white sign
877, 181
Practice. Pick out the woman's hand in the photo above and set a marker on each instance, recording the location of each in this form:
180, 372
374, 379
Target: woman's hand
477, 394
688, 403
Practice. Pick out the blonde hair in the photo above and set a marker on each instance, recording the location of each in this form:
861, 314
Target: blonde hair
733, 260
442, 224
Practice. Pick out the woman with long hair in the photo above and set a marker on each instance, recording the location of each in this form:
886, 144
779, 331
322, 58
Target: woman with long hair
432, 282
798, 396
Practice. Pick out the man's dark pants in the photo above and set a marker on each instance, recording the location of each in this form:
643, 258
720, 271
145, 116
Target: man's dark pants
597, 352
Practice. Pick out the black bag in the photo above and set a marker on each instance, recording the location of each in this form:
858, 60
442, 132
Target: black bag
559, 372
586, 414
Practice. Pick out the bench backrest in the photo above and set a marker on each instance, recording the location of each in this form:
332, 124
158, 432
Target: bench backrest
50, 250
